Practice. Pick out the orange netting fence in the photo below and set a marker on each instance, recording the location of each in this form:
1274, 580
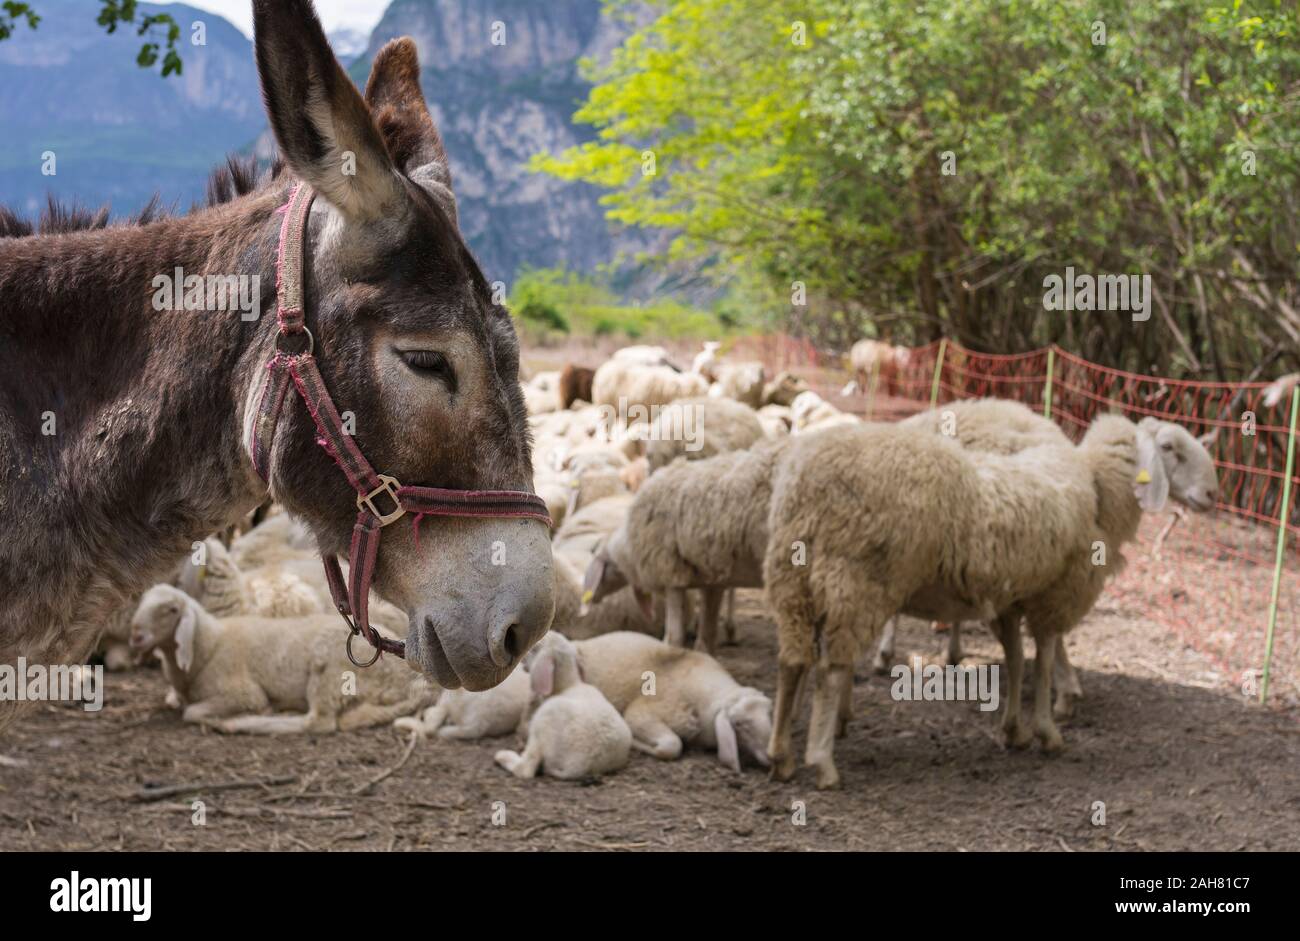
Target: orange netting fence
1219, 582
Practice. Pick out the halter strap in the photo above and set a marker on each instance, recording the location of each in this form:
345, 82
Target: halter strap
381, 500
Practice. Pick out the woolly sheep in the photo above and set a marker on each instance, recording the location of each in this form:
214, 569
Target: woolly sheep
698, 524
706, 361
783, 389
693, 699
574, 733
875, 357
645, 356
464, 716
227, 672
574, 547
294, 587
810, 412
740, 382
632, 390
999, 426
941, 532
698, 429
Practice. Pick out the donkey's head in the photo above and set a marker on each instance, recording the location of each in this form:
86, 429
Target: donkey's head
410, 342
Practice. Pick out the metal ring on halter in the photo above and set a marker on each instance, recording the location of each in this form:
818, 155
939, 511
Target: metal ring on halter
311, 343
355, 662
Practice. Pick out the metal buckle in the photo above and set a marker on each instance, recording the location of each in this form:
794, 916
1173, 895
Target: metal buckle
282, 336
390, 486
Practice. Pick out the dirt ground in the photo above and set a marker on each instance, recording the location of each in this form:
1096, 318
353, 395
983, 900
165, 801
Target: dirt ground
1178, 766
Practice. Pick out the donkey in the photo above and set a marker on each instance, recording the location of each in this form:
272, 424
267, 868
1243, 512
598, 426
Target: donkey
123, 428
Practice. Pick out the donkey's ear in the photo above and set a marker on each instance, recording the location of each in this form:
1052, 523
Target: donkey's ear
321, 122
401, 113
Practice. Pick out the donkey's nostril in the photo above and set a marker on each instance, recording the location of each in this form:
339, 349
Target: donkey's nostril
506, 644
512, 643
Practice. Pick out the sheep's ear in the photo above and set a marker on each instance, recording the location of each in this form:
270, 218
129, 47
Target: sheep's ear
645, 602
186, 628
1209, 439
542, 675
728, 749
592, 579
1152, 484
321, 122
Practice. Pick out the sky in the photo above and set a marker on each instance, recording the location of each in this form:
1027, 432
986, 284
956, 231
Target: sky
357, 14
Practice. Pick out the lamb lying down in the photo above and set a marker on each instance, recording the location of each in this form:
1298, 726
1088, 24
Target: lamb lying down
465, 716
228, 673
574, 732
670, 696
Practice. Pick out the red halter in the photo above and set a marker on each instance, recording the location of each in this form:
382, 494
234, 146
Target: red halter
351, 599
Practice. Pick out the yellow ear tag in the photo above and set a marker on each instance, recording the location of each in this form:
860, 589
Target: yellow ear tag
1144, 476
587, 596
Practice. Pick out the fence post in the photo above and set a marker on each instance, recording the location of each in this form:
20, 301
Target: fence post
1047, 393
1281, 546
938, 369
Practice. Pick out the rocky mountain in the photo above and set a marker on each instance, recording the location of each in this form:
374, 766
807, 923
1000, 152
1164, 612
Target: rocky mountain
502, 82
119, 133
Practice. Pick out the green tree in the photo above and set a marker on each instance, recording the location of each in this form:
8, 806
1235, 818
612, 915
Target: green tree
920, 167
158, 28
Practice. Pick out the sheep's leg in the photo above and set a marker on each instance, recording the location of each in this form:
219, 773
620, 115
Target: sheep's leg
1068, 688
781, 748
1044, 728
675, 617
845, 714
212, 711
1017, 735
364, 715
521, 766
707, 638
885, 652
650, 735
730, 624
954, 643
828, 693
285, 724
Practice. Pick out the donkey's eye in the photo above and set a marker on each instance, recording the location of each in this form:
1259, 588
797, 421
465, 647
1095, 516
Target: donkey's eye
432, 364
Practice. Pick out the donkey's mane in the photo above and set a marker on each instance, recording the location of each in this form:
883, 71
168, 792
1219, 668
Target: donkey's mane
228, 181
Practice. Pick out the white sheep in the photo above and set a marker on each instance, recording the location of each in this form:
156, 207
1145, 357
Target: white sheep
228, 672
784, 389
464, 716
573, 731
810, 412
698, 429
670, 696
706, 361
629, 391
696, 524
894, 521
740, 382
574, 547
645, 356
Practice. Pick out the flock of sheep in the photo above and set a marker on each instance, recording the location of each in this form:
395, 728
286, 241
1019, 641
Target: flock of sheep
671, 488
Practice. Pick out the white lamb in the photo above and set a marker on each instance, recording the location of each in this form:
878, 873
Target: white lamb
573, 732
810, 412
227, 673
464, 716
706, 361
671, 696
741, 382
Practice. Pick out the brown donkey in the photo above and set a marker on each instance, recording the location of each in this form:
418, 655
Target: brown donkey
123, 428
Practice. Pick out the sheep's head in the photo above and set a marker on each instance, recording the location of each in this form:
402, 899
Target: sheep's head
1184, 471
783, 389
552, 666
608, 574
165, 618
803, 405
743, 727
